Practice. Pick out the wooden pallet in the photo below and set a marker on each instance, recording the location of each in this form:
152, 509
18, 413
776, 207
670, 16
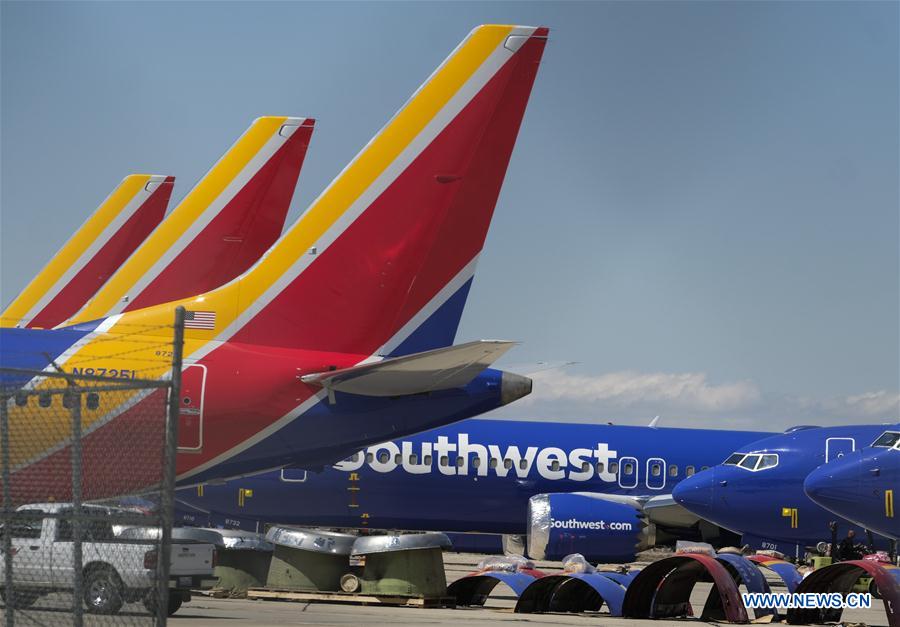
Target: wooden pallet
354, 598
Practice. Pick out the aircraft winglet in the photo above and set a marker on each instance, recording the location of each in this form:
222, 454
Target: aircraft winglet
428, 371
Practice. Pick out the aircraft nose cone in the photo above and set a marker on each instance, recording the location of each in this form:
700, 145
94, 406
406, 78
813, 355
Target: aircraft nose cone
816, 484
513, 387
835, 486
696, 493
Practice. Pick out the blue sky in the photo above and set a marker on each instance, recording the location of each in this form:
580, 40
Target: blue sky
702, 209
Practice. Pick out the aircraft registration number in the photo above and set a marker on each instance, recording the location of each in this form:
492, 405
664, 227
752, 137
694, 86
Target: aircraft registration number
117, 373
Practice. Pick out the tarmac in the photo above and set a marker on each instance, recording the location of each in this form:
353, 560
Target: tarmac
205, 611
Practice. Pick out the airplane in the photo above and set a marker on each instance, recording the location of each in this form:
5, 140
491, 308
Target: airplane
221, 227
572, 488
340, 336
758, 490
84, 263
861, 485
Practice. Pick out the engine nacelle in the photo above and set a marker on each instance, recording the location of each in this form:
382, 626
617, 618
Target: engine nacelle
603, 528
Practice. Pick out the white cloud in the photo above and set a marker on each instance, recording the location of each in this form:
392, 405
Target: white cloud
682, 391
880, 403
689, 400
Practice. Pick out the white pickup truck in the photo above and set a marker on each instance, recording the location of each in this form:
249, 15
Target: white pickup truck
118, 568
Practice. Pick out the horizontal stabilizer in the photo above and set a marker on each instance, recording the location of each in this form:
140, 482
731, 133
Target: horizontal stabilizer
439, 369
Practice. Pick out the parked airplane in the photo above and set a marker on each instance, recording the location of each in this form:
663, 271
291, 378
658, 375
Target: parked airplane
758, 490
221, 228
573, 488
861, 486
92, 254
339, 337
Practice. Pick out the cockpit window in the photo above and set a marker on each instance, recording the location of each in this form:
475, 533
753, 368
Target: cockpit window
888, 439
753, 461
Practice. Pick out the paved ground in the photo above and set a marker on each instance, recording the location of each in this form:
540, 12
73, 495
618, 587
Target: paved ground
204, 611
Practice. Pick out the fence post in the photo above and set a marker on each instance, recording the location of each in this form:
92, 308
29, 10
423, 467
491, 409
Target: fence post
7, 510
168, 479
77, 529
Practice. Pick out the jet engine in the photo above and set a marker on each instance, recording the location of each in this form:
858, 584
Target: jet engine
602, 527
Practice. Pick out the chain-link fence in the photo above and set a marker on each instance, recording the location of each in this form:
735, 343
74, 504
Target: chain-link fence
87, 450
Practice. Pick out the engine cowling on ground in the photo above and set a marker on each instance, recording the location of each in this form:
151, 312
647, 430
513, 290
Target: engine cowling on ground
600, 527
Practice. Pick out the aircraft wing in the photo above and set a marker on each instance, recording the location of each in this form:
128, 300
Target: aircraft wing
662, 510
439, 369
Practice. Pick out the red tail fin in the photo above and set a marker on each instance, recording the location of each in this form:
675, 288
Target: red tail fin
221, 228
407, 218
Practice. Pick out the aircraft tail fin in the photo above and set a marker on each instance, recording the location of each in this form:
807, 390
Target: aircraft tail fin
221, 228
381, 262
96, 250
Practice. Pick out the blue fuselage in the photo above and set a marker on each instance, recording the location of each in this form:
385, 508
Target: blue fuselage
767, 502
861, 487
475, 476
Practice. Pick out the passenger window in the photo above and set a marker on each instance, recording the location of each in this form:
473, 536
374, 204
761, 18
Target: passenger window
445, 461
493, 462
370, 457
383, 457
673, 470
628, 468
355, 457
398, 459
614, 467
508, 464
704, 467
427, 460
476, 462
413, 459
460, 461
688, 471
523, 464
585, 466
655, 470
600, 467
554, 466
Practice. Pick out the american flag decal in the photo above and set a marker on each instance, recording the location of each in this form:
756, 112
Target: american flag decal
200, 320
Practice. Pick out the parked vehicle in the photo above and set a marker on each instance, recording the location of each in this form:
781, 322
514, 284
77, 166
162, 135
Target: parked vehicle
118, 563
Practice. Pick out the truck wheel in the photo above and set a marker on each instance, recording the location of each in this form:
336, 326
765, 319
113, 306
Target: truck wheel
19, 599
175, 601
103, 591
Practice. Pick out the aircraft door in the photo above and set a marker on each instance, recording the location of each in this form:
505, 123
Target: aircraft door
838, 447
628, 472
656, 473
190, 415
